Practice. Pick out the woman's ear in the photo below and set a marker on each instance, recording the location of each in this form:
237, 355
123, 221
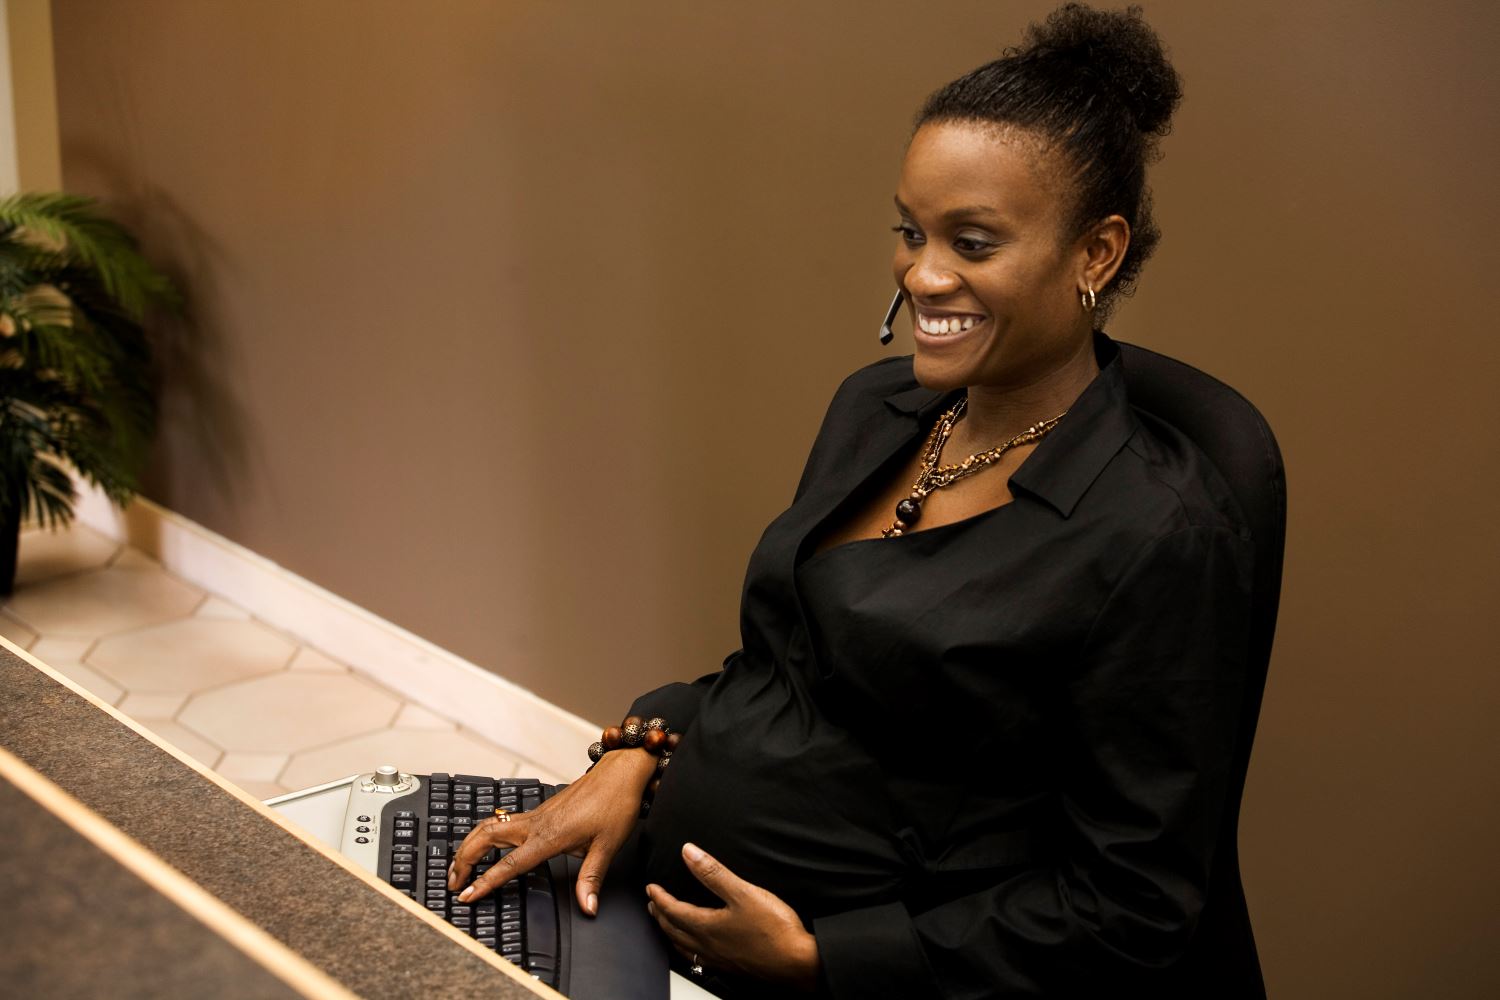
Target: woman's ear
1103, 251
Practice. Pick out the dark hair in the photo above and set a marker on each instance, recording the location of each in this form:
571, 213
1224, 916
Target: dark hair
1097, 86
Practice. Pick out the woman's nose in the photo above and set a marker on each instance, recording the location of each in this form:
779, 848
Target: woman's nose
927, 277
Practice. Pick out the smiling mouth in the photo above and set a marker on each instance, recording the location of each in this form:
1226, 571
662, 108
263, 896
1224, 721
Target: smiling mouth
946, 326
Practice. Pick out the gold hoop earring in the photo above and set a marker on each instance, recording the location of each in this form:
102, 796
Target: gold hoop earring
1088, 299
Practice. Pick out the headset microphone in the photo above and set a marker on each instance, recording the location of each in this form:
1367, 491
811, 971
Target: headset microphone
886, 336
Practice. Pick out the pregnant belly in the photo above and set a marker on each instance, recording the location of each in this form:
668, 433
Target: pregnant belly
781, 797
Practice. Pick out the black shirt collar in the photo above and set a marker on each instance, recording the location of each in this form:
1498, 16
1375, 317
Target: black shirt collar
1069, 459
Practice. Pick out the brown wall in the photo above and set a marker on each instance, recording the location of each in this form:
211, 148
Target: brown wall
512, 323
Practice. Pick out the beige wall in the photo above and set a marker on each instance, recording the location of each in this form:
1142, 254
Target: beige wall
512, 323
30, 118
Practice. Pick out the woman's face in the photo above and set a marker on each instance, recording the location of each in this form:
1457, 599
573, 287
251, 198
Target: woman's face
992, 289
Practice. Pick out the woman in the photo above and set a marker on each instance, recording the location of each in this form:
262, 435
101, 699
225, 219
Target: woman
977, 740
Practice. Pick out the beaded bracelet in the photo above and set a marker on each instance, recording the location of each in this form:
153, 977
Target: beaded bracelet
652, 735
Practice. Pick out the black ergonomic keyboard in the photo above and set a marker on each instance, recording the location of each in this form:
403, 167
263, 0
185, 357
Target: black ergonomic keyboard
406, 827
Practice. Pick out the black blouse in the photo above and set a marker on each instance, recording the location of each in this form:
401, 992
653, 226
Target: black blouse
990, 757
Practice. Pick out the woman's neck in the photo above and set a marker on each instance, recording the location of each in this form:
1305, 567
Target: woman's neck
996, 414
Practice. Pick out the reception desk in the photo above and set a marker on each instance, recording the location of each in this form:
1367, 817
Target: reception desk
133, 871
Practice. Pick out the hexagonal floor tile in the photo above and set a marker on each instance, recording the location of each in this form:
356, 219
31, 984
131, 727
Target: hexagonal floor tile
66, 657
192, 654
87, 605
186, 740
288, 711
419, 751
46, 554
87, 677
16, 632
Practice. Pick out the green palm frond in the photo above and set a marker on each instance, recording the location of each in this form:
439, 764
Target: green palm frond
76, 369
78, 230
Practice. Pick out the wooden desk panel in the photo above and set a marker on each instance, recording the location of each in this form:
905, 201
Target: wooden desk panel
362, 938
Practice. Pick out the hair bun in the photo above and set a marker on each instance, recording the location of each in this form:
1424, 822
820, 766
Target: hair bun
1121, 48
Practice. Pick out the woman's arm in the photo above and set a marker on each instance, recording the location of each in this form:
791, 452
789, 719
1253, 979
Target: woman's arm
1149, 733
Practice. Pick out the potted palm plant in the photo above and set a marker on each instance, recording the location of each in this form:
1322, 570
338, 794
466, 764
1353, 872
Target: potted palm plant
77, 385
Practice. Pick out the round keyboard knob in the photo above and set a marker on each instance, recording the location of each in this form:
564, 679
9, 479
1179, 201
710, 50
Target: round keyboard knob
387, 776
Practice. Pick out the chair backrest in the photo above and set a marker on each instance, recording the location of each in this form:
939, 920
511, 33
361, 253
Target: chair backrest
1237, 439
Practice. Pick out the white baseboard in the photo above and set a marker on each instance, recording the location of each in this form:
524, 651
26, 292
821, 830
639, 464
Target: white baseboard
502, 711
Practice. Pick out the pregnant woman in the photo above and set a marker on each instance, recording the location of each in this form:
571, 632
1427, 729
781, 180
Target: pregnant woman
977, 741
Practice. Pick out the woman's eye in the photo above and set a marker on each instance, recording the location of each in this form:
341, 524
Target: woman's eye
972, 245
909, 234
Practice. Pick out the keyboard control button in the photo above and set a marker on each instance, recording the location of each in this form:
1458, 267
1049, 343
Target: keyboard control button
363, 819
403, 814
361, 840
402, 869
487, 941
437, 904
361, 829
402, 880
437, 848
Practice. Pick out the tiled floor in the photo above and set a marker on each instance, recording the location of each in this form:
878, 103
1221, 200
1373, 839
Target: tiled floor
267, 713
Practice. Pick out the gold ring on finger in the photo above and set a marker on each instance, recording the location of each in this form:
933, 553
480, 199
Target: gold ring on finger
503, 815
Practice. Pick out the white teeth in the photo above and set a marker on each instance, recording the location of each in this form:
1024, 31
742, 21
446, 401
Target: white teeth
943, 326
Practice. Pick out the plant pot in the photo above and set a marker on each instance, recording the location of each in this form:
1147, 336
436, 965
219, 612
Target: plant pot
10, 541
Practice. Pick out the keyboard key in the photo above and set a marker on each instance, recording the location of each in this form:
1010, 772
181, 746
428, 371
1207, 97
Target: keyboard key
438, 905
463, 911
488, 942
484, 920
471, 780
402, 880
404, 824
403, 814
401, 869
437, 848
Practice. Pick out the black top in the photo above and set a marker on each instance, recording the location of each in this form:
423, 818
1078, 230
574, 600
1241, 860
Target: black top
989, 757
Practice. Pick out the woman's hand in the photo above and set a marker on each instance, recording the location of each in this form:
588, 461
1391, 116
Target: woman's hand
754, 933
592, 817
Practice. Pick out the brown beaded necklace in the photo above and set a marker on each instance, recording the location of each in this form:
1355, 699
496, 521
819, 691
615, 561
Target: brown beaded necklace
934, 477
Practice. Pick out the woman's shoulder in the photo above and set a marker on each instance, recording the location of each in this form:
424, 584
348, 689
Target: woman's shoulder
1178, 480
878, 380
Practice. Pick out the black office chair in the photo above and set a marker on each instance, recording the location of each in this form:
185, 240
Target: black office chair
1236, 438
